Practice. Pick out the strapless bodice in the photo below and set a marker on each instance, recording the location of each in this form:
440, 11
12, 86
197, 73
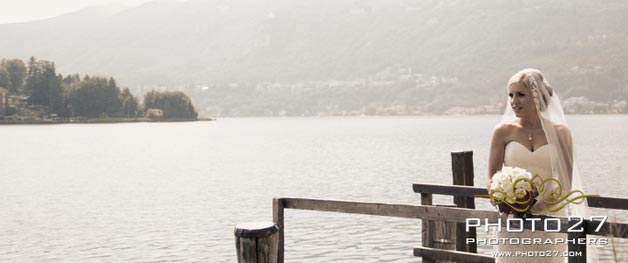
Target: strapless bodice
517, 155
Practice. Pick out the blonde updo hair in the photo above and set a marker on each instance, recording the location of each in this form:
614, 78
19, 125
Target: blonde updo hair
533, 80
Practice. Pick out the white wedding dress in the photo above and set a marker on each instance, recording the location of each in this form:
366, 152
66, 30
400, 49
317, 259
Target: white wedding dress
536, 162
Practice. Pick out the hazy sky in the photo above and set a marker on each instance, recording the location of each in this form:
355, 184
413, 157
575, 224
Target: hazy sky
12, 11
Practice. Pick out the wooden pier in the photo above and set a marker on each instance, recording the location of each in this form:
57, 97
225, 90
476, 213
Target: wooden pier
443, 227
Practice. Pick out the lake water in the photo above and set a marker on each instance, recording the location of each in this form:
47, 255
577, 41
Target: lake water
172, 192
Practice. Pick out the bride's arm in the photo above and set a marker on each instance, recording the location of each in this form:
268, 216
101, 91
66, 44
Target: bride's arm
564, 135
496, 153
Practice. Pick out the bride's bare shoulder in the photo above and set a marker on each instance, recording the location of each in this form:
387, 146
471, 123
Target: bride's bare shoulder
505, 126
563, 131
503, 130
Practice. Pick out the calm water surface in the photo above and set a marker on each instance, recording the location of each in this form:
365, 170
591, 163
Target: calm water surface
172, 192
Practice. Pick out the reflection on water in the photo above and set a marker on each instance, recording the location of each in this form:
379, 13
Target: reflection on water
147, 192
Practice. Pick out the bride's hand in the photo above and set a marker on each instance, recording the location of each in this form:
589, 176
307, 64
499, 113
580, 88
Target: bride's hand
490, 193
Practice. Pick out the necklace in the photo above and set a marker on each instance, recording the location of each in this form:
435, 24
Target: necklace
530, 131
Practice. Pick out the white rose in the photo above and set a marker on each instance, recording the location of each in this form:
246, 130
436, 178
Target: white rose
507, 186
510, 194
520, 193
496, 179
494, 184
523, 183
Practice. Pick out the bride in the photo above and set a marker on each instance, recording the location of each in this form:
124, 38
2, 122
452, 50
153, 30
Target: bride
533, 135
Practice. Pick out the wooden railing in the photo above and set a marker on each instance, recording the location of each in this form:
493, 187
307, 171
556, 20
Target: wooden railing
464, 200
426, 213
609, 229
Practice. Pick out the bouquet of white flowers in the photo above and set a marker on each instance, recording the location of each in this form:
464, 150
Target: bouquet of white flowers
513, 190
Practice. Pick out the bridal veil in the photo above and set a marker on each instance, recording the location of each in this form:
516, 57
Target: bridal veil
565, 190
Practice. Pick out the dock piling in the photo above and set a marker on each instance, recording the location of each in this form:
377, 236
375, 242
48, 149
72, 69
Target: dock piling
257, 242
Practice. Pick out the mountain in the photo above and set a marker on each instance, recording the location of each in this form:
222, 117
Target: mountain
434, 55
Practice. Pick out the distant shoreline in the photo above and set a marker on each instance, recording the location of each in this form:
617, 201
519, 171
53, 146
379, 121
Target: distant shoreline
95, 120
130, 120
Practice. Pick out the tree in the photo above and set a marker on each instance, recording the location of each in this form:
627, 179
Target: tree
174, 104
43, 84
111, 97
5, 82
129, 104
56, 96
95, 97
16, 71
71, 79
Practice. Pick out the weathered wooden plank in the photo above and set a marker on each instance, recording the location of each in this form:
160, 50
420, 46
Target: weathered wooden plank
451, 255
462, 172
458, 215
437, 233
610, 229
445, 234
278, 219
395, 210
608, 202
427, 236
458, 165
469, 191
580, 255
443, 189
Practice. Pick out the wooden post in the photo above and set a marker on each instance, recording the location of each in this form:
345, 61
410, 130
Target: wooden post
443, 234
278, 208
462, 171
427, 226
579, 251
436, 234
257, 242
